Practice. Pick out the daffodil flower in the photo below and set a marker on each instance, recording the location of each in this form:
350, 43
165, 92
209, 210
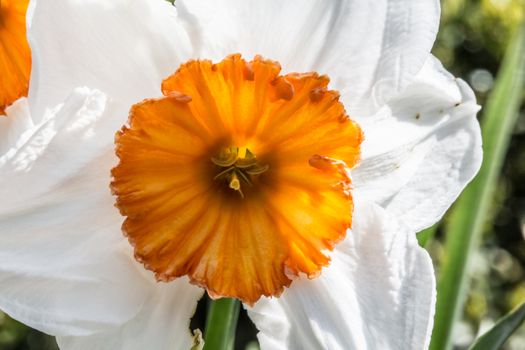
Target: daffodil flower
281, 153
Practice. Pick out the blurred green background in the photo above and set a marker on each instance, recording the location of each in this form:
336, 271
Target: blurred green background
471, 42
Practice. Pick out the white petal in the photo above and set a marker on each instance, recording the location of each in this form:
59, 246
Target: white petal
163, 323
422, 149
370, 49
378, 293
71, 136
122, 47
14, 125
65, 267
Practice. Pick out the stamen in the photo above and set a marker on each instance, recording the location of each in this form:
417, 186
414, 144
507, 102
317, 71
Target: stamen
225, 161
224, 172
257, 169
236, 164
245, 177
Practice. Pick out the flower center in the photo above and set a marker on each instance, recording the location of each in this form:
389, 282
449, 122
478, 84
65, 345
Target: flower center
237, 177
15, 55
236, 166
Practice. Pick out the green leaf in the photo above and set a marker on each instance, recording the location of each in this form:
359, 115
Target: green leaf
221, 324
470, 212
494, 338
425, 237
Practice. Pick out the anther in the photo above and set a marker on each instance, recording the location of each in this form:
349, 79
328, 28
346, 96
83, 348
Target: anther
237, 166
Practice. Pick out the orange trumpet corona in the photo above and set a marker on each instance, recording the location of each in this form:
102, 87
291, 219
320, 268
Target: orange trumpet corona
15, 55
237, 177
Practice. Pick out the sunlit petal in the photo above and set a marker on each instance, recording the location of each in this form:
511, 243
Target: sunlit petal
378, 293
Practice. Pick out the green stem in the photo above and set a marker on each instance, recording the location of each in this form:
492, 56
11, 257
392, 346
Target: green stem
221, 324
470, 213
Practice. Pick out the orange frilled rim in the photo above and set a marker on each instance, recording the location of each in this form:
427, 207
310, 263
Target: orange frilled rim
15, 55
183, 219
